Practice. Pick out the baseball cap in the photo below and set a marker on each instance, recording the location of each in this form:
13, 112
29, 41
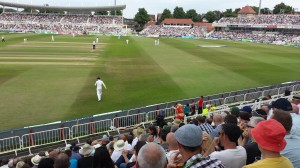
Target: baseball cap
189, 135
269, 135
282, 104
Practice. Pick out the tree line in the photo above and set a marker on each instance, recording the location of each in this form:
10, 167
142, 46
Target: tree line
142, 17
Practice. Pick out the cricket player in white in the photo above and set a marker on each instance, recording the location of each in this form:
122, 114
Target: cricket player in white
97, 40
127, 41
99, 84
52, 38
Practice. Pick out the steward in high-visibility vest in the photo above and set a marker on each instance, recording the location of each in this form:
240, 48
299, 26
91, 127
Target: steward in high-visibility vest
208, 109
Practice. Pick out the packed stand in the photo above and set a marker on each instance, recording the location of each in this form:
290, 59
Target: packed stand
261, 37
62, 24
264, 19
248, 138
178, 31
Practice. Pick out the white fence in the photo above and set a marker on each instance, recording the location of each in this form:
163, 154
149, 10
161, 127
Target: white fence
10, 144
130, 120
63, 134
92, 128
45, 137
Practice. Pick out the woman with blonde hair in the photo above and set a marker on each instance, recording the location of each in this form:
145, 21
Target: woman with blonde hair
206, 141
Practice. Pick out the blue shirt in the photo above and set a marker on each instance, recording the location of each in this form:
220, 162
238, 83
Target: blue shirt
292, 149
73, 163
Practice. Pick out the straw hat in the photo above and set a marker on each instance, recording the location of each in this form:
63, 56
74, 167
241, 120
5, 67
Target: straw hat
120, 145
86, 149
177, 121
137, 132
20, 164
36, 159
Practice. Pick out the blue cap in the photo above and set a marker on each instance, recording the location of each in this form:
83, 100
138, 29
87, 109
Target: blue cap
189, 135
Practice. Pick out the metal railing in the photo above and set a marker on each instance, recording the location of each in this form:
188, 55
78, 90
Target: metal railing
92, 128
129, 121
34, 139
11, 144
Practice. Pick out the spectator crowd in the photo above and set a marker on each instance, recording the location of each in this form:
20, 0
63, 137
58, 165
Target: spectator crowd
259, 37
249, 138
281, 19
174, 31
60, 23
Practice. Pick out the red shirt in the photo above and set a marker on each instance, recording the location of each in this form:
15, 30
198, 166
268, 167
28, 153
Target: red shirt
200, 104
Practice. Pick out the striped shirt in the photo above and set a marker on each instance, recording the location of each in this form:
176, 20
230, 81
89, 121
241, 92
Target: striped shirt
206, 127
197, 161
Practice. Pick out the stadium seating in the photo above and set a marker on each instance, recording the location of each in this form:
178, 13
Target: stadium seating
168, 31
61, 24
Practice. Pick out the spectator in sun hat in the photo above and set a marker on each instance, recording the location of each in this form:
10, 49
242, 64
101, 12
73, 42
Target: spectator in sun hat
87, 160
137, 132
20, 164
292, 149
189, 140
118, 147
176, 121
36, 160
269, 136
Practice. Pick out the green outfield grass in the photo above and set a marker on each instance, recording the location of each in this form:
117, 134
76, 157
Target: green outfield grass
43, 81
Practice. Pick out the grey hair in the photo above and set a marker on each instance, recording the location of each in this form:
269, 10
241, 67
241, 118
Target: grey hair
255, 120
143, 137
152, 155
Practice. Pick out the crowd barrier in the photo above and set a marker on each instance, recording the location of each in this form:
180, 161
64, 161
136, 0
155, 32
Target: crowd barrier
11, 144
92, 128
223, 102
45, 137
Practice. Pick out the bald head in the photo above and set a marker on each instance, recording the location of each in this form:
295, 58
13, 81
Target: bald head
217, 119
171, 141
152, 155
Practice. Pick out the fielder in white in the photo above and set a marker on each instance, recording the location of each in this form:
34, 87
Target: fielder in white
99, 84
127, 41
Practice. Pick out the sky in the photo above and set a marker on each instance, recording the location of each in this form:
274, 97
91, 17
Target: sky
157, 6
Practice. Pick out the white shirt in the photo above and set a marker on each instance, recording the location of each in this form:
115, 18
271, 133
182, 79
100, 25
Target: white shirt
233, 158
295, 130
134, 142
129, 147
115, 155
99, 84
